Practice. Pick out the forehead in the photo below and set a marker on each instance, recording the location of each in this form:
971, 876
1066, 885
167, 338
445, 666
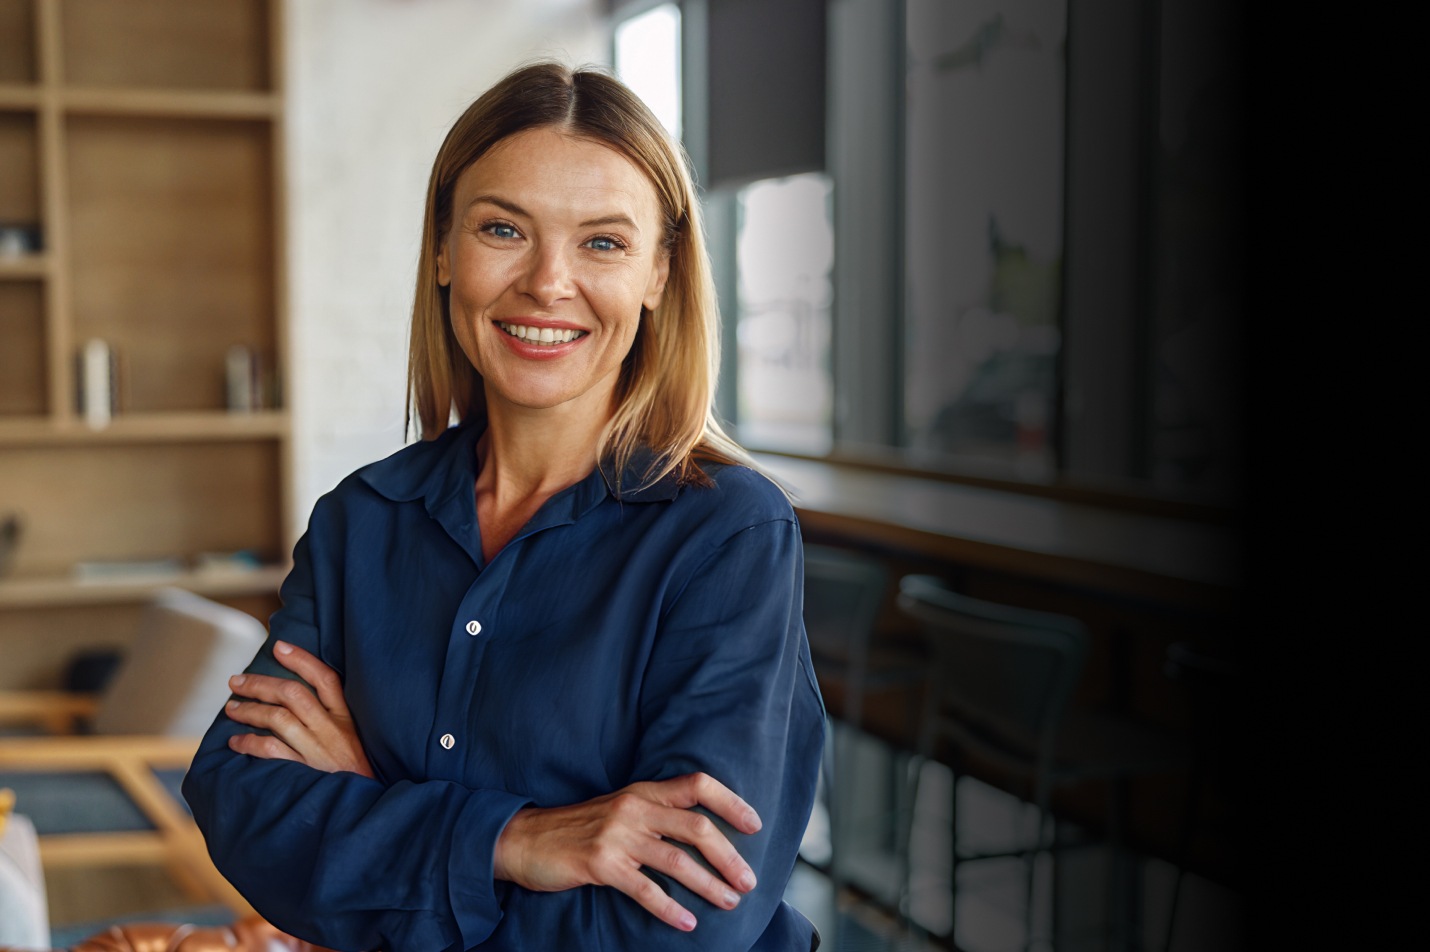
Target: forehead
548, 170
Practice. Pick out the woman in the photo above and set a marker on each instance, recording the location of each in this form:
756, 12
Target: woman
561, 693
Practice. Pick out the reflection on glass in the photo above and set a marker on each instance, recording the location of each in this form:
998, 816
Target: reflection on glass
983, 238
784, 253
647, 59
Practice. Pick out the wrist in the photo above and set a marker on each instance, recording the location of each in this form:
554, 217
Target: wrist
508, 846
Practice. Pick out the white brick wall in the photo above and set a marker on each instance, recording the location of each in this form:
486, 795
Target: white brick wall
373, 86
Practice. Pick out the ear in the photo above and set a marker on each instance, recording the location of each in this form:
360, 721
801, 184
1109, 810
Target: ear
656, 288
444, 266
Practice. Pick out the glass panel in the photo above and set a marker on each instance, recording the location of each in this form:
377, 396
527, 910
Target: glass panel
647, 59
1197, 350
784, 254
983, 228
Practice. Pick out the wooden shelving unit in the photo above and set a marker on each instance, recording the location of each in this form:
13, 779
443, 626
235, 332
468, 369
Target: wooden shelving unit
144, 141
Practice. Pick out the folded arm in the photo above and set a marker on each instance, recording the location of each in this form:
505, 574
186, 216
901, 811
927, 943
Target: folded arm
344, 860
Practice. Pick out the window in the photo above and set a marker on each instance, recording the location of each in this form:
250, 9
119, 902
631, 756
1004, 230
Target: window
647, 59
784, 255
993, 239
983, 229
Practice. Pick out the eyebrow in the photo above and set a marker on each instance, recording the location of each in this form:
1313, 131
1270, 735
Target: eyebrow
516, 209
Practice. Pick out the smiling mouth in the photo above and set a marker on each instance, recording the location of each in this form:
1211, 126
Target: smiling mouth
541, 335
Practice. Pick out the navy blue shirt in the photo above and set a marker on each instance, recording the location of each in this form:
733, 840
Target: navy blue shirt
622, 635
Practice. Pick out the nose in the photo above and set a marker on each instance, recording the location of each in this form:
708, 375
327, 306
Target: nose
546, 277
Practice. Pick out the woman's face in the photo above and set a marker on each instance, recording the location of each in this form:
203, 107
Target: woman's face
555, 245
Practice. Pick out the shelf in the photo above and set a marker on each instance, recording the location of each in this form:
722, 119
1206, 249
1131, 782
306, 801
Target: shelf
43, 591
24, 267
140, 155
15, 96
162, 102
182, 103
215, 426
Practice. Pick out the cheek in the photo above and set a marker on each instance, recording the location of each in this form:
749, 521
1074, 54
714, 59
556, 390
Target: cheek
463, 320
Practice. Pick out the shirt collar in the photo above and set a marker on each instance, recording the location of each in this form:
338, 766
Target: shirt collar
443, 471
630, 479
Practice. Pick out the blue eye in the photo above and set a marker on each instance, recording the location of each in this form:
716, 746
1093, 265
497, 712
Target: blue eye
501, 230
605, 243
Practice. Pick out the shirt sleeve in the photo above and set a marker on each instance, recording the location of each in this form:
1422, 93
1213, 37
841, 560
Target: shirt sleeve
339, 859
729, 690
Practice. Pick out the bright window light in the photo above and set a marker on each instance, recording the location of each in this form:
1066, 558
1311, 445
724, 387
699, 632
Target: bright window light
648, 61
785, 256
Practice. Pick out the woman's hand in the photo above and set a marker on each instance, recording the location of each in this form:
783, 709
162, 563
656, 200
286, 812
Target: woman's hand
317, 731
606, 841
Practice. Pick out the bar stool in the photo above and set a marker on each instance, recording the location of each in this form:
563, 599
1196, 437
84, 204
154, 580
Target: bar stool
844, 591
1002, 678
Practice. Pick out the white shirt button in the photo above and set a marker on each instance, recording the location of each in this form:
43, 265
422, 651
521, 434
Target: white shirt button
448, 740
474, 627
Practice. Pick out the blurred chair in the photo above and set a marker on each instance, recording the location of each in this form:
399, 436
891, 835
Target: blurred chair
110, 796
24, 914
1002, 678
844, 591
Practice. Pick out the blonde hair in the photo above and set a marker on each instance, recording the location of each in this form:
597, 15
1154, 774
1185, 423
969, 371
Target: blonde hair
665, 393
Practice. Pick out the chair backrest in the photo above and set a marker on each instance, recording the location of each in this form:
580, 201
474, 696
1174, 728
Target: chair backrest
1006, 669
174, 677
842, 594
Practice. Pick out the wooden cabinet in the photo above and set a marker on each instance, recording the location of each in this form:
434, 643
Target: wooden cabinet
141, 199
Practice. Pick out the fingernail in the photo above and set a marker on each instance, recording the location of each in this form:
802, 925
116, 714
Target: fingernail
231, 704
731, 900
282, 647
752, 820
747, 881
236, 680
687, 921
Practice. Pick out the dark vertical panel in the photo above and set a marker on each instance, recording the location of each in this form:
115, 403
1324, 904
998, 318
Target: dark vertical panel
766, 88
1102, 223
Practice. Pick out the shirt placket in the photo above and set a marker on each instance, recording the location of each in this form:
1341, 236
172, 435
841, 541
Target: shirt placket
472, 627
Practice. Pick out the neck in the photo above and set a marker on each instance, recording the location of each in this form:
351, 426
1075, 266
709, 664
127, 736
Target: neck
526, 456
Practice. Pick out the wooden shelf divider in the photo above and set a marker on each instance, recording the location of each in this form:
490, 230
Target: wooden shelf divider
191, 104
25, 267
46, 591
199, 426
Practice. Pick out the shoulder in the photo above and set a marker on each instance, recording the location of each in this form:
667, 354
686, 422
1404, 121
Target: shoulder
737, 498
419, 470
406, 474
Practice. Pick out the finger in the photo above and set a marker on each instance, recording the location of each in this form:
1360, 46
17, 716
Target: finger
284, 693
310, 668
249, 713
265, 748
701, 789
289, 728
704, 834
679, 862
650, 896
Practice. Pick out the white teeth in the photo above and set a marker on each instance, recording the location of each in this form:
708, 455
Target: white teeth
541, 335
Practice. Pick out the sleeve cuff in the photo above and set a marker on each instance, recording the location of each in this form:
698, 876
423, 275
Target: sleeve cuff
471, 875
